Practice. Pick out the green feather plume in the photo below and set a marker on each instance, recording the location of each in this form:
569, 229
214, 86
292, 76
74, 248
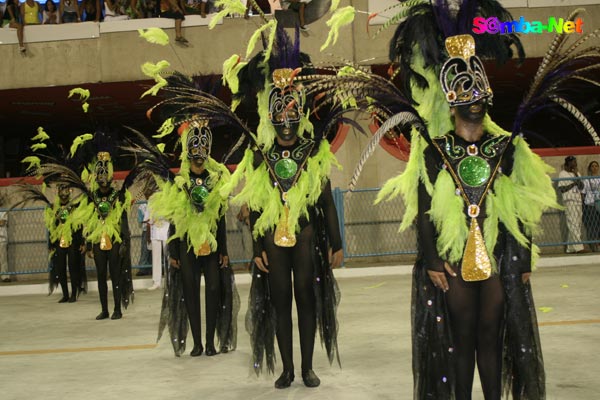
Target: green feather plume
342, 17
38, 146
227, 7
165, 129
155, 35
407, 182
34, 163
41, 135
84, 95
154, 71
334, 5
447, 214
79, 140
272, 26
231, 69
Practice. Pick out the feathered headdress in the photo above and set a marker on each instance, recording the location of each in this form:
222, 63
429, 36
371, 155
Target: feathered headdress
419, 39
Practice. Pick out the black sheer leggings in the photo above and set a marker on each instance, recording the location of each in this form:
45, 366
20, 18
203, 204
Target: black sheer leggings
192, 267
476, 312
282, 261
105, 260
74, 259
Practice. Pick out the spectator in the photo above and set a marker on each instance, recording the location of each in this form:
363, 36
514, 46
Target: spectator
50, 13
299, 6
10, 19
591, 215
90, 10
571, 190
113, 11
174, 10
69, 11
3, 243
144, 8
159, 233
30, 12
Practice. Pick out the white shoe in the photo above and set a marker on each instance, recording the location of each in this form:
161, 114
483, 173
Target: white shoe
154, 287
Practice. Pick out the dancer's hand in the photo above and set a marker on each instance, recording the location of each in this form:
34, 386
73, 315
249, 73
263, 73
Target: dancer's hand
262, 262
90, 254
525, 277
223, 261
335, 259
174, 263
439, 278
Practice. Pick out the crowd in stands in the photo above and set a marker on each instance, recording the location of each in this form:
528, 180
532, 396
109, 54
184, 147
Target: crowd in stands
69, 11
17, 14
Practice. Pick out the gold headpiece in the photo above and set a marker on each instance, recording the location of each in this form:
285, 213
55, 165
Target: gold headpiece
199, 123
283, 77
462, 46
462, 76
104, 156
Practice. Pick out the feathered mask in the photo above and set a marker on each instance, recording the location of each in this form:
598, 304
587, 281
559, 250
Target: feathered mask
462, 76
199, 140
286, 101
103, 169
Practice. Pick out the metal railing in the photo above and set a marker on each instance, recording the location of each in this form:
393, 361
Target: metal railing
368, 232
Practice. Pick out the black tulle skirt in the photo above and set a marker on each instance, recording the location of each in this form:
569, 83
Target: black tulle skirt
174, 313
432, 345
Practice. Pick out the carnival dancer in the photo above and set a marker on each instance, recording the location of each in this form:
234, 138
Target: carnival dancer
103, 212
293, 217
65, 241
193, 204
66, 244
477, 193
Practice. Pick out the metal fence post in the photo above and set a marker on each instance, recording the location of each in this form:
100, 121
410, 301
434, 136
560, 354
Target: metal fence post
338, 200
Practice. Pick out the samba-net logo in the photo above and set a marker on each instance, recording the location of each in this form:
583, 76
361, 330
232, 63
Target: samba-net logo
494, 26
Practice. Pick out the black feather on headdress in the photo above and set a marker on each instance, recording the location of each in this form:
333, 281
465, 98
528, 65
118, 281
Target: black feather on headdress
567, 72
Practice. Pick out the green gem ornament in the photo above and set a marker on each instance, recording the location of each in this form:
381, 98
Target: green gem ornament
286, 168
63, 215
104, 207
474, 171
199, 193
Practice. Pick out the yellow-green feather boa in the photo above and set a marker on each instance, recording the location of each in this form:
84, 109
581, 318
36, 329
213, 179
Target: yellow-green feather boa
173, 204
93, 226
517, 201
63, 230
261, 195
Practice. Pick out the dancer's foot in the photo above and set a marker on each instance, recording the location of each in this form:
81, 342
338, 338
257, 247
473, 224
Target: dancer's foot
310, 378
223, 350
116, 315
73, 298
285, 380
210, 350
197, 350
102, 315
64, 299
